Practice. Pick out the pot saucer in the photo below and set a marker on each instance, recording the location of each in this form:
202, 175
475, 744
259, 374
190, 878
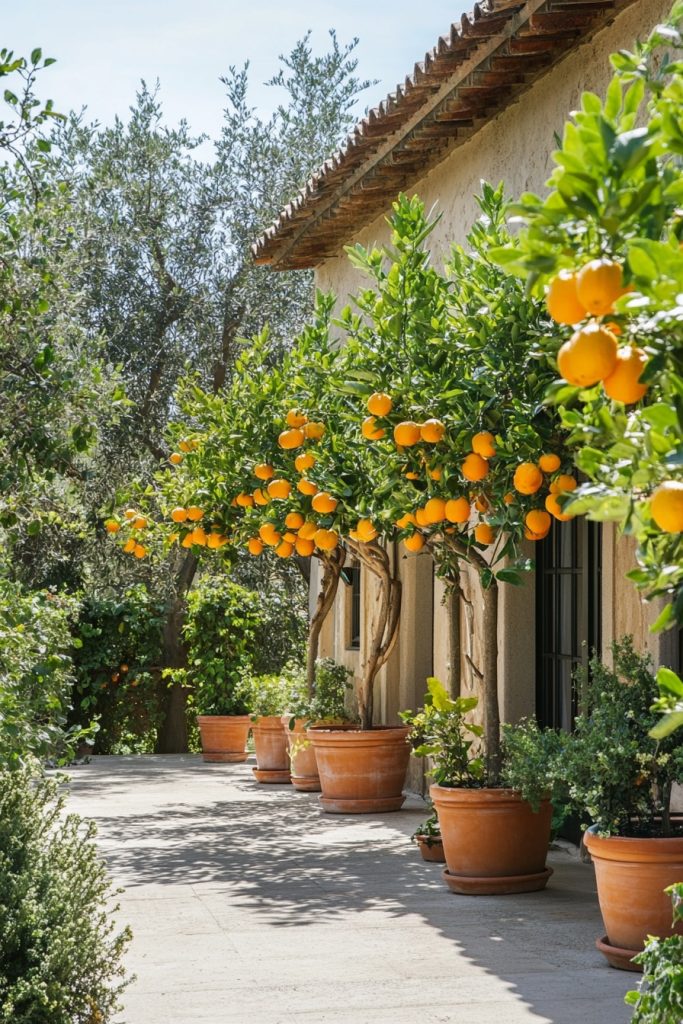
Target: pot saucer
274, 775
501, 885
622, 959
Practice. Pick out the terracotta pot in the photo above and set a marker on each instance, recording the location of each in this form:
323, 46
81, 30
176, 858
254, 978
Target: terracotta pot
224, 737
270, 744
493, 841
303, 764
631, 875
361, 772
431, 848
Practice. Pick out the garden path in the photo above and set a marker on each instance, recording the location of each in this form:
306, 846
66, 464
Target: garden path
250, 906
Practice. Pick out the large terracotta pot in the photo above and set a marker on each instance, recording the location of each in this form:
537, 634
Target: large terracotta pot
493, 841
224, 737
631, 875
361, 772
270, 744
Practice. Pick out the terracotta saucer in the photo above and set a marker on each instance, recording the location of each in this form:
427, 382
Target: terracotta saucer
622, 959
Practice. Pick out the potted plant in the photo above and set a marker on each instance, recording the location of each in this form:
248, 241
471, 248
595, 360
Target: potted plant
495, 839
429, 840
621, 777
325, 708
269, 695
659, 998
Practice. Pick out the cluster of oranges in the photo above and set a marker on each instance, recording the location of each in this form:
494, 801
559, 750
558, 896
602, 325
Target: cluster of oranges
136, 523
593, 354
186, 445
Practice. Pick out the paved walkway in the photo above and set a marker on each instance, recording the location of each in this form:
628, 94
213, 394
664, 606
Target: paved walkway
250, 906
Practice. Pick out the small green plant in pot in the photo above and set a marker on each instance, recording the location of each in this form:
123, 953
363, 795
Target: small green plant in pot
621, 777
473, 814
659, 998
268, 698
428, 838
324, 706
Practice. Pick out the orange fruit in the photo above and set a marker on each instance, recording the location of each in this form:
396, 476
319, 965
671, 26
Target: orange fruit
130, 513
484, 533
326, 540
411, 475
528, 478
421, 517
272, 539
186, 542
194, 513
260, 497
563, 483
267, 531
538, 521
406, 520
304, 462
590, 355
379, 404
213, 540
407, 433
324, 503
244, 500
308, 530
432, 431
296, 418
293, 520
483, 444
435, 510
303, 547
530, 535
553, 506
666, 506
474, 467
111, 526
139, 551
175, 458
264, 471
307, 487
415, 542
289, 537
481, 503
289, 439
458, 510
549, 462
314, 431
366, 530
436, 473
279, 489
370, 430
255, 545
562, 299
129, 546
199, 536
140, 523
509, 498
598, 285
284, 549
179, 514
623, 383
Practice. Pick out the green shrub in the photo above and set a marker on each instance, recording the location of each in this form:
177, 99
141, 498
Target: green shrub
659, 998
330, 688
533, 763
60, 953
270, 694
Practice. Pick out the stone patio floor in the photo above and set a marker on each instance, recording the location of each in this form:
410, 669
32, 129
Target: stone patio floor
248, 904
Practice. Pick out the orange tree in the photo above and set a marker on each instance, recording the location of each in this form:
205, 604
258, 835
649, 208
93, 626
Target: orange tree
452, 372
606, 244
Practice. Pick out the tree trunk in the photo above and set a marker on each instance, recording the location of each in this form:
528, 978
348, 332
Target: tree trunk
454, 639
333, 564
172, 731
489, 670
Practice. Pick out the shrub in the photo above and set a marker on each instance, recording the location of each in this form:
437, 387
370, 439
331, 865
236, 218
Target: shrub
330, 688
269, 694
60, 953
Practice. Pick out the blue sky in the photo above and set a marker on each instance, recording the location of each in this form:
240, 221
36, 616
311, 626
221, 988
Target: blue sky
104, 47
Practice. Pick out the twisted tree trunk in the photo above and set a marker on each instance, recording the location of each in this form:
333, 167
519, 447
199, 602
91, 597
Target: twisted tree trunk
333, 564
172, 732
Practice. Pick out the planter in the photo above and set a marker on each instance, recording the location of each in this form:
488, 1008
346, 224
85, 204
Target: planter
361, 772
224, 737
303, 763
270, 744
431, 848
631, 875
493, 841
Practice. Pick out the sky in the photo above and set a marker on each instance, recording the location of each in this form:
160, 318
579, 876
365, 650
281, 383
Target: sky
104, 47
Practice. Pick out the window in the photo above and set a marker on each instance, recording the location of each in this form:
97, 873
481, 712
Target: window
351, 577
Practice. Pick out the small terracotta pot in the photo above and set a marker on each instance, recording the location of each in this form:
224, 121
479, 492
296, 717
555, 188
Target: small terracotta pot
493, 841
224, 737
361, 772
270, 744
431, 848
631, 875
303, 763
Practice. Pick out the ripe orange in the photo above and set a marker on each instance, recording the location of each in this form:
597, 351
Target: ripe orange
563, 483
598, 285
264, 471
289, 536
421, 517
140, 523
406, 520
303, 547
549, 462
365, 528
179, 514
324, 503
530, 535
199, 536
590, 355
666, 506
279, 489
289, 439
111, 526
528, 478
296, 418
213, 540
474, 467
260, 497
538, 521
379, 404
326, 540
481, 503
284, 549
306, 487
509, 498
255, 546
562, 300
293, 520
129, 546
244, 500
267, 532
407, 433
139, 551
432, 431
415, 542
308, 530
194, 513
186, 542
484, 533
304, 462
435, 510
458, 510
483, 444
436, 473
553, 506
623, 383
314, 431
130, 513
175, 458
370, 430
412, 475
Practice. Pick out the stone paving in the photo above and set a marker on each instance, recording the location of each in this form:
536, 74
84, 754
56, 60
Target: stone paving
251, 906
